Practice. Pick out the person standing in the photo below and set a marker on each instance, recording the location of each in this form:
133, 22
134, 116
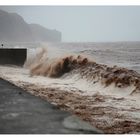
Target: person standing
2, 45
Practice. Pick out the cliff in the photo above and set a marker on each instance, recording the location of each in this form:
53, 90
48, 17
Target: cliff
42, 34
13, 28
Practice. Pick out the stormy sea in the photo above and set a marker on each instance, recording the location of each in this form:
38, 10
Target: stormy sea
98, 82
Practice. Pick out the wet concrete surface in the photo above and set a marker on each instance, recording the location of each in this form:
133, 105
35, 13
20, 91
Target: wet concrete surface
23, 113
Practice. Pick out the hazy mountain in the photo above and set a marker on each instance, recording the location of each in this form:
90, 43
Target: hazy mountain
42, 34
13, 28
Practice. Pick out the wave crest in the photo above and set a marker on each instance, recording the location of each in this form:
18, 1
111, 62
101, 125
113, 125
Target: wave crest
88, 69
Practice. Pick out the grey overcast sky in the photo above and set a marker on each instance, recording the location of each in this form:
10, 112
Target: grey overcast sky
85, 23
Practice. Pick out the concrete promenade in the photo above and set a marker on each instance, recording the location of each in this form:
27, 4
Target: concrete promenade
22, 113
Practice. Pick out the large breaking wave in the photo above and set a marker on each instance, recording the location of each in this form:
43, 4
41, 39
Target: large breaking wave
89, 86
44, 65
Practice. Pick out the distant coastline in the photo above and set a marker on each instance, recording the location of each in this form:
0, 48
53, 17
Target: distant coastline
13, 28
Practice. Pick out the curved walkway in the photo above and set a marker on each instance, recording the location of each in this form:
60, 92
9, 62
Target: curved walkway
23, 113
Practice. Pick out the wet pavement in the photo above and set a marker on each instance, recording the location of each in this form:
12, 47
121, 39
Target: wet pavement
23, 113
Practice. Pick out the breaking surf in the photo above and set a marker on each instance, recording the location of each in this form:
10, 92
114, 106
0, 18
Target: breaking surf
84, 69
101, 94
